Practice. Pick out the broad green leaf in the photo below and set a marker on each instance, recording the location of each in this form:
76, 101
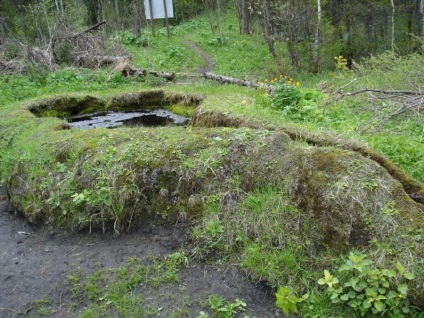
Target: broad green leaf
366, 304
391, 294
403, 288
405, 309
382, 290
389, 272
400, 268
379, 306
361, 286
409, 276
351, 294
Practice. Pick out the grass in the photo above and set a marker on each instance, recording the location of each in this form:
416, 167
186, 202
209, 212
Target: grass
124, 289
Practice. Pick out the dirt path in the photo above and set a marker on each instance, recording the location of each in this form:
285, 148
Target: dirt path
35, 263
209, 65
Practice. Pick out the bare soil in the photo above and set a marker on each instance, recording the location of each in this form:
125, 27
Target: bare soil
208, 65
35, 264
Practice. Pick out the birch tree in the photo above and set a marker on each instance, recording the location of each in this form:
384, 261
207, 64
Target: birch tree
316, 56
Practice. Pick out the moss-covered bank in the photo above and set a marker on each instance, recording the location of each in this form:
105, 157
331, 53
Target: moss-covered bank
118, 178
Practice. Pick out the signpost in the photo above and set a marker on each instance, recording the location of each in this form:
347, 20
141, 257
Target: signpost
159, 9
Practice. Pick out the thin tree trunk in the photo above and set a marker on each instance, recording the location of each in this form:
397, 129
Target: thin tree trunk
422, 19
219, 22
269, 36
393, 25
62, 10
316, 57
118, 14
57, 5
245, 17
209, 9
136, 19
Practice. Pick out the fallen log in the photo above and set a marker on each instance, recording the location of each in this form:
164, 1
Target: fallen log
230, 80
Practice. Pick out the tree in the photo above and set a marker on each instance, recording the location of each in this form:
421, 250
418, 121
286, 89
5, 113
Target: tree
269, 34
421, 10
136, 18
316, 57
244, 15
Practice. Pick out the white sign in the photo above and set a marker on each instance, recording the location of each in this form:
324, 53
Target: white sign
158, 9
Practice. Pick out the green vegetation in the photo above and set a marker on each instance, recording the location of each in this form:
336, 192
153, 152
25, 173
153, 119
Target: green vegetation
370, 290
277, 187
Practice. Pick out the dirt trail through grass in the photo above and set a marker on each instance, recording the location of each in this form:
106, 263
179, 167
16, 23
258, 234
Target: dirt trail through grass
209, 64
35, 265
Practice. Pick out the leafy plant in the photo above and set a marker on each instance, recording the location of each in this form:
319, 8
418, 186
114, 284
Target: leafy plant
367, 289
127, 38
286, 95
287, 300
223, 309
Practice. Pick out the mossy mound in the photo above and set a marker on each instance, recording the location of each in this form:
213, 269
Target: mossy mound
114, 179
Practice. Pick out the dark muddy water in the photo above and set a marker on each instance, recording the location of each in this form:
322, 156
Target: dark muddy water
148, 118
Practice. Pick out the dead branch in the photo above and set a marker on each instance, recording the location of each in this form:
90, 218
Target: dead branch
344, 86
94, 27
387, 104
394, 92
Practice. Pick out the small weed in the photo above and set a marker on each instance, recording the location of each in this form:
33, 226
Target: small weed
287, 300
224, 309
43, 307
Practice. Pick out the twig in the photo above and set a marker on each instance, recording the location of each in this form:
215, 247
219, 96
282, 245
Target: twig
80, 33
9, 309
344, 86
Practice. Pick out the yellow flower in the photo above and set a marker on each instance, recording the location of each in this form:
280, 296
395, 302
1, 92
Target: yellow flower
297, 84
266, 81
275, 79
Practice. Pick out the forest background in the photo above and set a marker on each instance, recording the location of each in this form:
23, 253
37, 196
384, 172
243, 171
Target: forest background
314, 31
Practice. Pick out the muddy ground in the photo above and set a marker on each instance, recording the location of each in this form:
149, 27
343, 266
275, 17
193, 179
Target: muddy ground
35, 264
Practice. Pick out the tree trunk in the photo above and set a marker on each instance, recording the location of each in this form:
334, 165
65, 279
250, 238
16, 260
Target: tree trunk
317, 40
269, 36
62, 10
209, 9
393, 25
136, 19
118, 15
422, 19
219, 21
244, 13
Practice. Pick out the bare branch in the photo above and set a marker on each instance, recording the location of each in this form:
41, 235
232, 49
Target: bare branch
396, 92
